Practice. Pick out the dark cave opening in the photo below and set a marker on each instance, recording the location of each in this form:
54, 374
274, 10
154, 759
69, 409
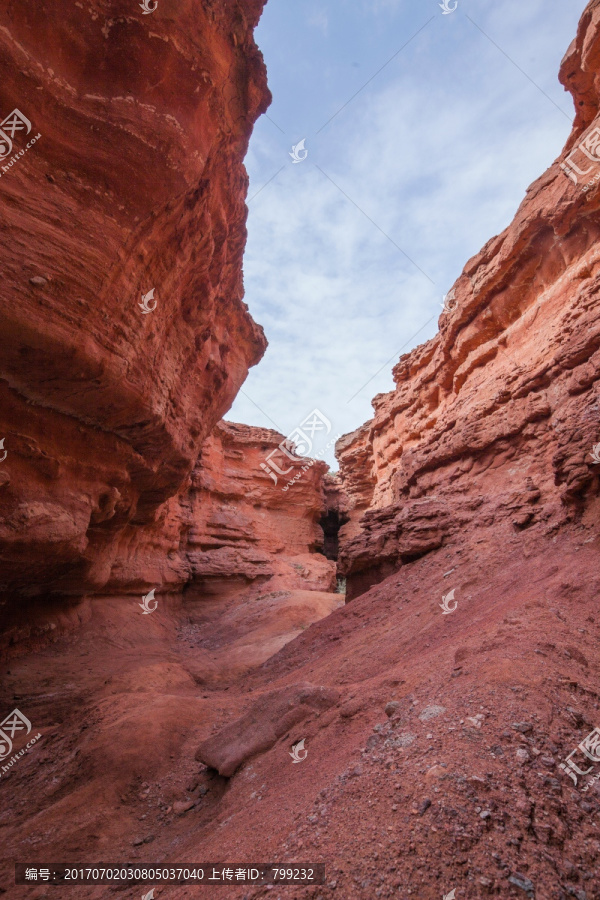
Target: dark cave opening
331, 523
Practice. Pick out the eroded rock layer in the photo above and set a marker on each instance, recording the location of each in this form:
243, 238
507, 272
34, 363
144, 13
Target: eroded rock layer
230, 532
244, 529
411, 752
135, 185
492, 422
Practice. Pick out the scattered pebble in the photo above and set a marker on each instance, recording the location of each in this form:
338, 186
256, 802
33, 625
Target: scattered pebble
523, 727
522, 882
182, 806
431, 712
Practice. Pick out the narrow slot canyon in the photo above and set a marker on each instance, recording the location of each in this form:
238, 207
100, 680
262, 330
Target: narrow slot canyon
212, 646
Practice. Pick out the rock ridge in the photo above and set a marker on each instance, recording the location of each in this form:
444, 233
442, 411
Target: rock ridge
136, 188
492, 422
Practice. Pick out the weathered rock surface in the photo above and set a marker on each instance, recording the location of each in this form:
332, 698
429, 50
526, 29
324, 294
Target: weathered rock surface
230, 527
136, 183
230, 636
244, 528
437, 769
260, 728
492, 422
229, 533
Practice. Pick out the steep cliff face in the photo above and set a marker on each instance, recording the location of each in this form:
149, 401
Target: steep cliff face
244, 529
492, 422
435, 745
229, 534
135, 185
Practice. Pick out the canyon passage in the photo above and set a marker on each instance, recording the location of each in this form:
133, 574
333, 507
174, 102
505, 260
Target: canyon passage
391, 671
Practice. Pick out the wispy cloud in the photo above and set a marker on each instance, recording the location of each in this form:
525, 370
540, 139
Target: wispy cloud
438, 152
318, 19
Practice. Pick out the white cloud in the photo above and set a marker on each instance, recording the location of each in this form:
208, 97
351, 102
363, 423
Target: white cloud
438, 152
318, 19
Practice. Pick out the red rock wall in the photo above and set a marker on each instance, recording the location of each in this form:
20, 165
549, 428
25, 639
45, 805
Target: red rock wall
228, 527
137, 182
492, 422
229, 532
244, 529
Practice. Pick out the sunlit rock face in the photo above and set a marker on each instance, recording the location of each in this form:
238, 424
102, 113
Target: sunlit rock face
244, 528
492, 422
136, 188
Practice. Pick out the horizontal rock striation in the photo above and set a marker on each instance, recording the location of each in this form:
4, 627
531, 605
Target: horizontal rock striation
136, 185
243, 528
493, 421
416, 752
229, 529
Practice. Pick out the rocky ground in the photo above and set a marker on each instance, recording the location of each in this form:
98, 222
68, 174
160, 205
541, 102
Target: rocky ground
434, 766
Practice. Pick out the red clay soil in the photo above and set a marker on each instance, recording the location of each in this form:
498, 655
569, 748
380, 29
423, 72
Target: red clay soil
456, 785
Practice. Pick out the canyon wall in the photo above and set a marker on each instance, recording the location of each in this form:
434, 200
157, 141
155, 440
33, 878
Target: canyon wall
244, 529
229, 534
492, 423
409, 752
122, 178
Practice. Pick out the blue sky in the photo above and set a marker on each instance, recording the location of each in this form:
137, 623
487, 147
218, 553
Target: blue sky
351, 250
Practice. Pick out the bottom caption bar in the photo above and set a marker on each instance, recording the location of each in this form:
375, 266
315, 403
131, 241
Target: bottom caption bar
207, 873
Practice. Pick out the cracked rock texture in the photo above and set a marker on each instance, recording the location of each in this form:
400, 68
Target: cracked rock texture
245, 529
432, 742
492, 422
136, 183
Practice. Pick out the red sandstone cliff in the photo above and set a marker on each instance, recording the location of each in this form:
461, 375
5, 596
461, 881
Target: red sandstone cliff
229, 534
136, 183
244, 528
433, 742
492, 422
